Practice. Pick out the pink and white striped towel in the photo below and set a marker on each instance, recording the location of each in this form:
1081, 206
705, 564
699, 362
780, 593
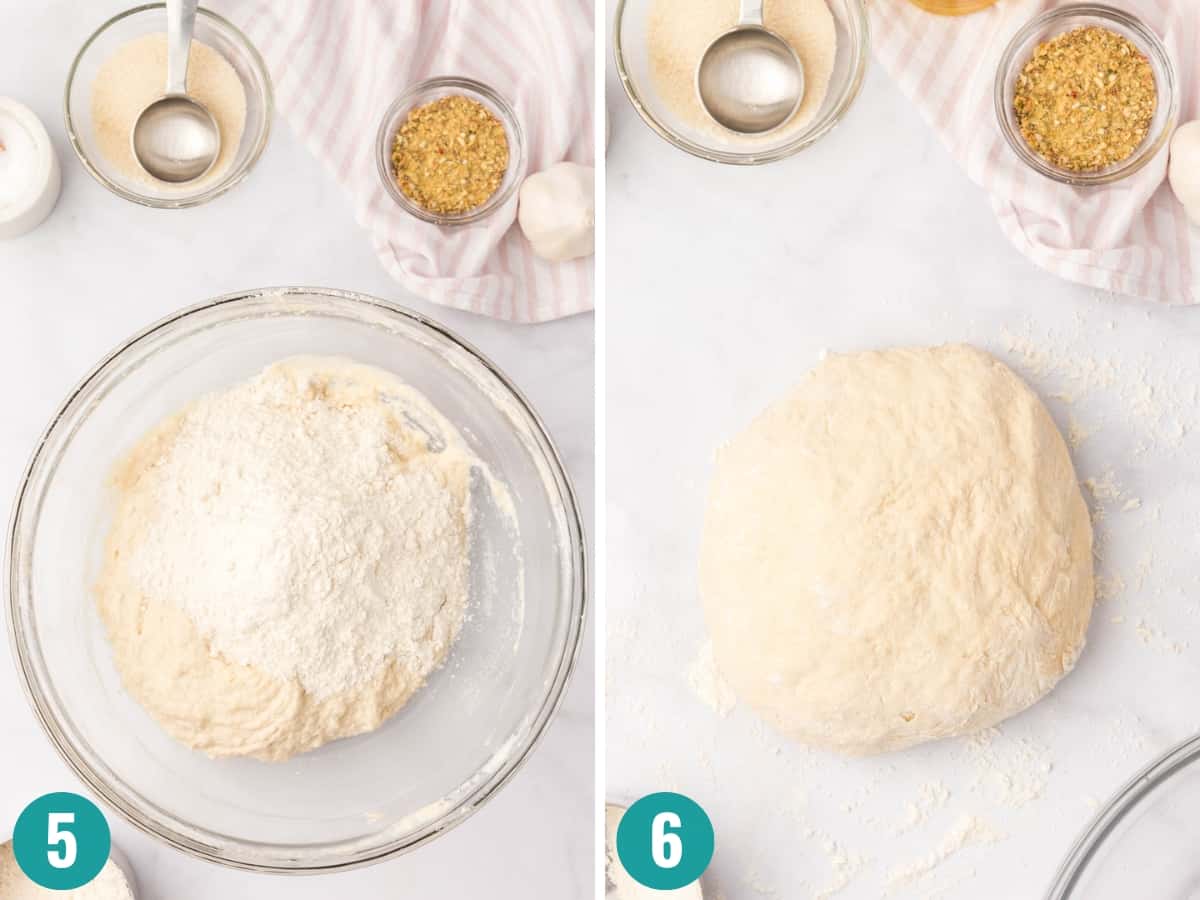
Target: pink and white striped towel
1132, 238
338, 64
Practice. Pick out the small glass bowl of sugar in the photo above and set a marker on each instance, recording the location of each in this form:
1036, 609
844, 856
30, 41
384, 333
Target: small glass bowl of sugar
122, 67
658, 45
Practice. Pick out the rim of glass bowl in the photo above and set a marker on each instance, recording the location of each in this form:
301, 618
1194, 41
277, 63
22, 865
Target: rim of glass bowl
140, 811
235, 177
402, 104
828, 123
1010, 67
1093, 839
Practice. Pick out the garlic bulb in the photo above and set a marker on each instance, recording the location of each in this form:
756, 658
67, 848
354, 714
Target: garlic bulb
558, 211
1185, 168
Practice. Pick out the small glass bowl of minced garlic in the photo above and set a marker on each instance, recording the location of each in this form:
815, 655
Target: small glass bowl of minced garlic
1086, 94
450, 151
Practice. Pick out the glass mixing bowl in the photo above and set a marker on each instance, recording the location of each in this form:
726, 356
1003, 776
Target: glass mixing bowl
354, 801
211, 29
1143, 843
1050, 25
632, 51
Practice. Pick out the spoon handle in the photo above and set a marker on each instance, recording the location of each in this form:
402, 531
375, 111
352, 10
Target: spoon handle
752, 13
181, 20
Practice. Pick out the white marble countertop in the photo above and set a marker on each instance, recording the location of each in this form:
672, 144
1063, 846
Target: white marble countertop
101, 268
725, 286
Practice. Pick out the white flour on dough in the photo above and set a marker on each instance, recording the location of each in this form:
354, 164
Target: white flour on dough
288, 560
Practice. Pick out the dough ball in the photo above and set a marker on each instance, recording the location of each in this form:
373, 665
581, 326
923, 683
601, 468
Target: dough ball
898, 551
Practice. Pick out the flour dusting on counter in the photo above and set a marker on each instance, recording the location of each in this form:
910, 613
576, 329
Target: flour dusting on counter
951, 819
709, 684
967, 832
933, 795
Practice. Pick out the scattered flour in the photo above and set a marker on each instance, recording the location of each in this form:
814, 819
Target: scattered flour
110, 884
1108, 587
844, 866
708, 683
1128, 739
1076, 433
933, 795
1104, 488
1158, 399
969, 831
1010, 772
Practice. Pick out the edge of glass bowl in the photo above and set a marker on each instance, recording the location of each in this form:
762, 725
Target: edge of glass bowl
480, 793
746, 159
1005, 72
234, 179
1086, 846
512, 125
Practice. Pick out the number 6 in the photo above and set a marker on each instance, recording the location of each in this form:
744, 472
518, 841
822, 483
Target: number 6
65, 858
665, 849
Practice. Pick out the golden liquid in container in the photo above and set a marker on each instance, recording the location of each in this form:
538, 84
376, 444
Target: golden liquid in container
953, 7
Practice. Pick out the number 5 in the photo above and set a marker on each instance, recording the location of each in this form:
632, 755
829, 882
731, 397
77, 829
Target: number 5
665, 849
64, 858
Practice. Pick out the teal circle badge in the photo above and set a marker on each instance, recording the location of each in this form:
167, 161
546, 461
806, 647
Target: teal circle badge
61, 841
665, 841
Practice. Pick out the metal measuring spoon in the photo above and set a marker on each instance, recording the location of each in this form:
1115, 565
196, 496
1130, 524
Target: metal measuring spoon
176, 138
750, 80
